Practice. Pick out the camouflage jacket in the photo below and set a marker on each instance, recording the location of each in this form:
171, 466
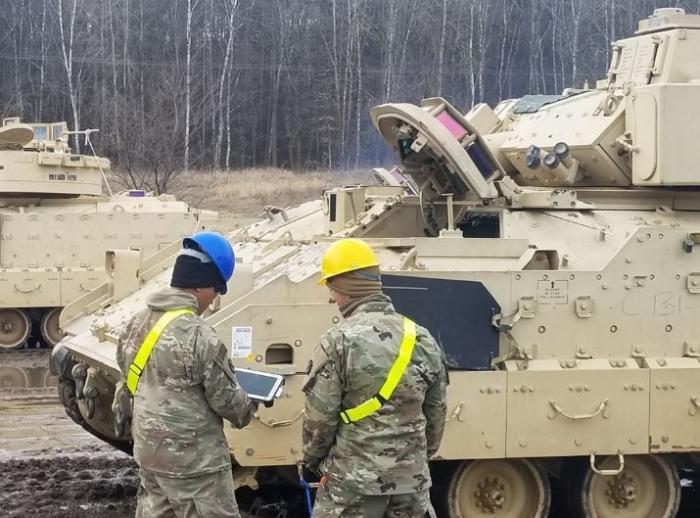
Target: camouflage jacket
186, 389
386, 452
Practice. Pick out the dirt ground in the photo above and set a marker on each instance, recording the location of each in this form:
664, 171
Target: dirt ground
50, 466
59, 483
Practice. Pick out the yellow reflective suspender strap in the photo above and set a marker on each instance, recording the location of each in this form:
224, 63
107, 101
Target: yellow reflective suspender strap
399, 367
141, 359
370, 406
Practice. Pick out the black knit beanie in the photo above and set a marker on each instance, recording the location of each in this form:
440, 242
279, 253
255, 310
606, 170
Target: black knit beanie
194, 269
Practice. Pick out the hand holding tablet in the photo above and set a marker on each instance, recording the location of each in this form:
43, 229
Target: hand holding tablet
262, 387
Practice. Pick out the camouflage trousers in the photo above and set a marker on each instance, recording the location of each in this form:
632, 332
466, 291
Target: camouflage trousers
210, 495
334, 502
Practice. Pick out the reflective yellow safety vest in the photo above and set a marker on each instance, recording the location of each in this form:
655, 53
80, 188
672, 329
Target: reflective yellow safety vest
141, 359
350, 415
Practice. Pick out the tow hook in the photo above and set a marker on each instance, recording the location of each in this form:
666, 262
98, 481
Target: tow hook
90, 392
79, 374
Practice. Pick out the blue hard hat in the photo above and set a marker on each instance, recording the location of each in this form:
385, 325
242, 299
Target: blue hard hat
217, 248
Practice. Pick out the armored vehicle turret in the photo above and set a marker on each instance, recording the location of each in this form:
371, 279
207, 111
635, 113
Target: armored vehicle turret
548, 242
56, 222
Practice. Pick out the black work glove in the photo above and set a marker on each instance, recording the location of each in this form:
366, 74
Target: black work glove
310, 474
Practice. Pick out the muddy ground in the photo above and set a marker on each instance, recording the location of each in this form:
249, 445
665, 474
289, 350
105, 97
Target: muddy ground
52, 468
58, 484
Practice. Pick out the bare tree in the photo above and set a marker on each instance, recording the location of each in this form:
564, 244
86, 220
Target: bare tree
42, 62
225, 73
191, 6
67, 51
238, 83
441, 46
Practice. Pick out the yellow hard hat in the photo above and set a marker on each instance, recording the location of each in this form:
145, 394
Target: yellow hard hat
346, 255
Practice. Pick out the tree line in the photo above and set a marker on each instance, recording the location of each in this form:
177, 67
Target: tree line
178, 84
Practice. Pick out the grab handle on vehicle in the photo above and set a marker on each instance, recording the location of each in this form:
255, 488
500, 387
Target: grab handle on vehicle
26, 291
576, 417
608, 472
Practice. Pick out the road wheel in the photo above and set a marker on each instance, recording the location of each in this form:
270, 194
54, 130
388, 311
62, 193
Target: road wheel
15, 326
648, 487
13, 377
50, 331
48, 380
503, 488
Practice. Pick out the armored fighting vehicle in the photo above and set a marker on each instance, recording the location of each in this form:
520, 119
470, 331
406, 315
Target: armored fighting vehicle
548, 243
56, 223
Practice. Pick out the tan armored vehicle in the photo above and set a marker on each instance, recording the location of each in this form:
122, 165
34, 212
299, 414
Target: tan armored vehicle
551, 249
55, 225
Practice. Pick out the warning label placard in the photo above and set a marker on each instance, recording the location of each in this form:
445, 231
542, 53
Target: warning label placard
553, 292
241, 341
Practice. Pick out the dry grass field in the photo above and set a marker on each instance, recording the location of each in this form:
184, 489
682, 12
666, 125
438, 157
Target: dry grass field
245, 192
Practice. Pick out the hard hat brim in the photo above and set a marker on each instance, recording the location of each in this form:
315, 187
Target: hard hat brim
322, 281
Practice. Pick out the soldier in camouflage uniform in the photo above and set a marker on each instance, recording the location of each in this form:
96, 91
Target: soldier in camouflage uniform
376, 466
187, 386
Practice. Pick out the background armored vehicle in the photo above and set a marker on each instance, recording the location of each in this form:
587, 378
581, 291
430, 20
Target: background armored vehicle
56, 223
550, 249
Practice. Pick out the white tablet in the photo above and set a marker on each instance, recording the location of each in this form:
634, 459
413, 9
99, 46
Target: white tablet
261, 386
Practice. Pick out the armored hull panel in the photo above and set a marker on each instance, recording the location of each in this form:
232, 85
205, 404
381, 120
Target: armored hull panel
50, 255
56, 223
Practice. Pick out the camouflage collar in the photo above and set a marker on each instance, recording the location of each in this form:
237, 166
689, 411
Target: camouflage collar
168, 298
372, 303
